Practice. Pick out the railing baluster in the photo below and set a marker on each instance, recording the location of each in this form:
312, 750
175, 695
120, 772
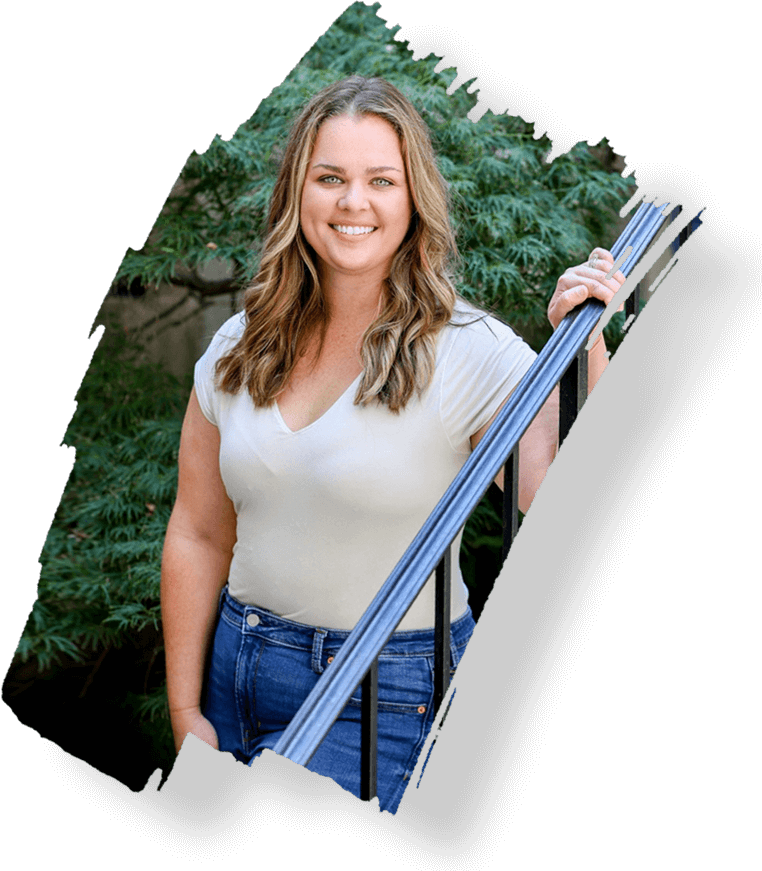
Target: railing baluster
369, 728
442, 628
632, 308
573, 394
683, 234
510, 500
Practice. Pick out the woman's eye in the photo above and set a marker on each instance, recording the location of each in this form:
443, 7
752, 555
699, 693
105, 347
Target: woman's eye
334, 179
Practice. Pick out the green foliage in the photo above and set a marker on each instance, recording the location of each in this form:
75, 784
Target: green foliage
520, 222
99, 585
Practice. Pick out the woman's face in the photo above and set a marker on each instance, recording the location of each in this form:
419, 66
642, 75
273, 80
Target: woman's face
356, 205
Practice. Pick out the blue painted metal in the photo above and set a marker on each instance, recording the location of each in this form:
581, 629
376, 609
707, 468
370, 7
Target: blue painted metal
375, 627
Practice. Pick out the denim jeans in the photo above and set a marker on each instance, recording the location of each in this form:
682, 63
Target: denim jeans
263, 667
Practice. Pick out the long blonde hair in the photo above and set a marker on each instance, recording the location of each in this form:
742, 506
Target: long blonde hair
284, 302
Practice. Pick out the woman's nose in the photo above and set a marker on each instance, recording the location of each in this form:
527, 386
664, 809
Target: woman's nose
353, 197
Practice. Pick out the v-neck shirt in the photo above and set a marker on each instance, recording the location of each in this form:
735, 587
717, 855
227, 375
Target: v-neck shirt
325, 512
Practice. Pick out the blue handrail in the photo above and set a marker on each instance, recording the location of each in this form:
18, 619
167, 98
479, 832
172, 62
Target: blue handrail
356, 656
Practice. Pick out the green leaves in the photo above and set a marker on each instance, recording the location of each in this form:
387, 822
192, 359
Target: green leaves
520, 222
101, 560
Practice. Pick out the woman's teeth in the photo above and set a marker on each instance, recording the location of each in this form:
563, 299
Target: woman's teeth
352, 231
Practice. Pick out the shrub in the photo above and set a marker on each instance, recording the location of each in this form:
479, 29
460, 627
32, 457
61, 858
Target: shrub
99, 585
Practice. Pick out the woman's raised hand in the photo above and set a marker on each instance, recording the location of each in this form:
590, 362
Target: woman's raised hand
579, 283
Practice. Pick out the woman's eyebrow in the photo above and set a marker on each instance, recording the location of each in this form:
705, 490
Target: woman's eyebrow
369, 171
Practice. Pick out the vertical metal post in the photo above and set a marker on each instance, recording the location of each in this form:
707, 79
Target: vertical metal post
510, 500
632, 305
369, 733
684, 233
442, 628
573, 394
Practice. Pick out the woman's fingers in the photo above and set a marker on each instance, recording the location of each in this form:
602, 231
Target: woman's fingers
578, 283
602, 261
602, 285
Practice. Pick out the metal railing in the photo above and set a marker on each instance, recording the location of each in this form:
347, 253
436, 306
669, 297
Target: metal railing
562, 361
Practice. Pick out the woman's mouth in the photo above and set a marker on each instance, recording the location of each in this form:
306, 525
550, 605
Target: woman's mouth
347, 230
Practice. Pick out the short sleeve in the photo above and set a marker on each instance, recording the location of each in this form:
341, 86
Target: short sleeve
204, 373
485, 362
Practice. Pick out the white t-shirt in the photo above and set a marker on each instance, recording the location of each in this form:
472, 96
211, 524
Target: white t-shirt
325, 513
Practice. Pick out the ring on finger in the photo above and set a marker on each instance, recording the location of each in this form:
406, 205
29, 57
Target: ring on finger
593, 262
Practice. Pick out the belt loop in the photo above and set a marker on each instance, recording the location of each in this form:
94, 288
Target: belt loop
454, 653
317, 650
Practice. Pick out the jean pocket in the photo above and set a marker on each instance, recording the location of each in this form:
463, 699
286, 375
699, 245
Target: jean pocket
405, 685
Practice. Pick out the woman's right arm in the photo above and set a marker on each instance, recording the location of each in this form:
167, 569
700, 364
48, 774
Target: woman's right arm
198, 549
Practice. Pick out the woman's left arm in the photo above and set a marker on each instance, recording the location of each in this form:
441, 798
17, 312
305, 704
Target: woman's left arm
539, 444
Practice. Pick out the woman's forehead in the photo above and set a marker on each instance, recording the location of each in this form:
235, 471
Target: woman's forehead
355, 138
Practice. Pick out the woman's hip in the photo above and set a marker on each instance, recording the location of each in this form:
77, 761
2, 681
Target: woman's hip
263, 667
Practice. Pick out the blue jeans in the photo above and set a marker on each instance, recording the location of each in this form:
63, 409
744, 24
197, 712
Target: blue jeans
263, 667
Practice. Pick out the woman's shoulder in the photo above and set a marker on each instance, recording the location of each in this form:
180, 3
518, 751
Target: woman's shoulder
481, 347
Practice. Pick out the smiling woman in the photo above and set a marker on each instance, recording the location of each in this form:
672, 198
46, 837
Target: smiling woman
326, 421
288, 306
356, 212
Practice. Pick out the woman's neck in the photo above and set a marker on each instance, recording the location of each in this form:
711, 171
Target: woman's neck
350, 300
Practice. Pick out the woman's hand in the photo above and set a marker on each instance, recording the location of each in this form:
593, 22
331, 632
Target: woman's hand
192, 720
581, 282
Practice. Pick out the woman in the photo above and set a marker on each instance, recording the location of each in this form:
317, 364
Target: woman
325, 422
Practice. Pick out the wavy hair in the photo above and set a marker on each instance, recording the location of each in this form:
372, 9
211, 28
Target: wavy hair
284, 303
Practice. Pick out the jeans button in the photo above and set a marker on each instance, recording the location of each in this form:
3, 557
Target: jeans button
253, 620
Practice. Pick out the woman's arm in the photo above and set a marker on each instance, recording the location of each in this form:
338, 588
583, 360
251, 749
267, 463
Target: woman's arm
539, 444
197, 551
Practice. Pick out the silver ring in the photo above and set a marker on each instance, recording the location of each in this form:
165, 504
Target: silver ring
593, 262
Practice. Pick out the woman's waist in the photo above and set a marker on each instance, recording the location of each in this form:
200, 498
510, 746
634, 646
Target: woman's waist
284, 630
331, 587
